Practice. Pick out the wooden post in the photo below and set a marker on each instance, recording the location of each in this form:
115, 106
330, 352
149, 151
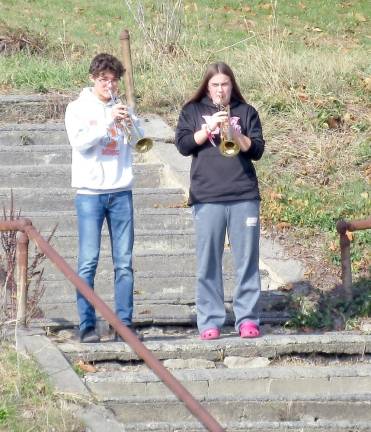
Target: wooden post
128, 76
21, 266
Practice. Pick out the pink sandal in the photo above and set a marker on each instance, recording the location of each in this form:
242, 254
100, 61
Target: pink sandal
211, 333
249, 329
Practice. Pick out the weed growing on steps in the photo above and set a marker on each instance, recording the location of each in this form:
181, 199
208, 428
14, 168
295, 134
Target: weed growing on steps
8, 284
331, 311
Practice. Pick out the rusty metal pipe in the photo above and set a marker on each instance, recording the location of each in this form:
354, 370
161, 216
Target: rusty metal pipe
342, 227
168, 379
21, 272
361, 224
14, 225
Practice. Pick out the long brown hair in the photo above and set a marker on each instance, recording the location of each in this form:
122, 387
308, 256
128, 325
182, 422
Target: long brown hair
212, 70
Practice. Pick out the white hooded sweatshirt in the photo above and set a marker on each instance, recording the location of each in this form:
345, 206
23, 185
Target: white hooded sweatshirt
101, 155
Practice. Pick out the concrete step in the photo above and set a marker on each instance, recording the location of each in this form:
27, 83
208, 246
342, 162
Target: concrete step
47, 199
145, 240
274, 382
157, 289
35, 155
171, 219
146, 314
43, 155
54, 133
33, 134
31, 108
146, 292
331, 397
155, 261
187, 345
59, 175
252, 426
247, 410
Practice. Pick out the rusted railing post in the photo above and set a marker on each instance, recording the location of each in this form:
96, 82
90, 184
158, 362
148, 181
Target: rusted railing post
128, 76
342, 227
21, 273
346, 266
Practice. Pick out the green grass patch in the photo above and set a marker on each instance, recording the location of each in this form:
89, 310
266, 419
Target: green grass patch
327, 311
27, 401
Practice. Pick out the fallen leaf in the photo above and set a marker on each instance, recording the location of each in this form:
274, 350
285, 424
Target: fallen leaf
303, 97
333, 246
283, 225
334, 122
349, 235
86, 367
367, 83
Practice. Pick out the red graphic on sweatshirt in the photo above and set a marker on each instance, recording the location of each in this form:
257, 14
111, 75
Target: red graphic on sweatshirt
112, 148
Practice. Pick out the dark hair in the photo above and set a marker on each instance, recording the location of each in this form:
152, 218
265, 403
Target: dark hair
212, 70
106, 62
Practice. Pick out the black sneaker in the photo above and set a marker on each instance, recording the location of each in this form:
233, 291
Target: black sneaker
118, 338
89, 335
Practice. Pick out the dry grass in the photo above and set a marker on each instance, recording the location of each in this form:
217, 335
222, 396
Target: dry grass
27, 401
18, 39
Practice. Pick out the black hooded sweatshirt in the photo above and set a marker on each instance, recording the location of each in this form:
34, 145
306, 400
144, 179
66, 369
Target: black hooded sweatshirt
214, 177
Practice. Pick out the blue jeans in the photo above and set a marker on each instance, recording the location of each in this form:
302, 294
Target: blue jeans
241, 221
117, 209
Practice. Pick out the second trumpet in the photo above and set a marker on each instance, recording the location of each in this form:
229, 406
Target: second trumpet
142, 144
228, 147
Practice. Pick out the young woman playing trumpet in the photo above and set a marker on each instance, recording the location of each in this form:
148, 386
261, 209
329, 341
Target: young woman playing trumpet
224, 195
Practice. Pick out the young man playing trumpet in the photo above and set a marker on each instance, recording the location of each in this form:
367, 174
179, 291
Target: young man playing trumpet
102, 174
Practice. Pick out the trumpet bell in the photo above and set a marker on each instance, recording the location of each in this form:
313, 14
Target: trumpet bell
229, 148
143, 145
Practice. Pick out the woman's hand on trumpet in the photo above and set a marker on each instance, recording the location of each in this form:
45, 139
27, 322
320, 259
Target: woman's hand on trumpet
216, 120
213, 122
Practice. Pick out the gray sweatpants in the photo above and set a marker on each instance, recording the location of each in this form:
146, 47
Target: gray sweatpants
241, 220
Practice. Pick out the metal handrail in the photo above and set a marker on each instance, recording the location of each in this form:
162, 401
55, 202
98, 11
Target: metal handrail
342, 228
25, 227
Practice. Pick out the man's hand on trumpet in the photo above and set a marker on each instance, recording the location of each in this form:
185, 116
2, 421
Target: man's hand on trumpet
121, 115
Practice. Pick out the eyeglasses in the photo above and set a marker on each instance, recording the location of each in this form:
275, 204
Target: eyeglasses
106, 81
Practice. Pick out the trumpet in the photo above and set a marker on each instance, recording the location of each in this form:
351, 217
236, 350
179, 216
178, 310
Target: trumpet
228, 147
142, 144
